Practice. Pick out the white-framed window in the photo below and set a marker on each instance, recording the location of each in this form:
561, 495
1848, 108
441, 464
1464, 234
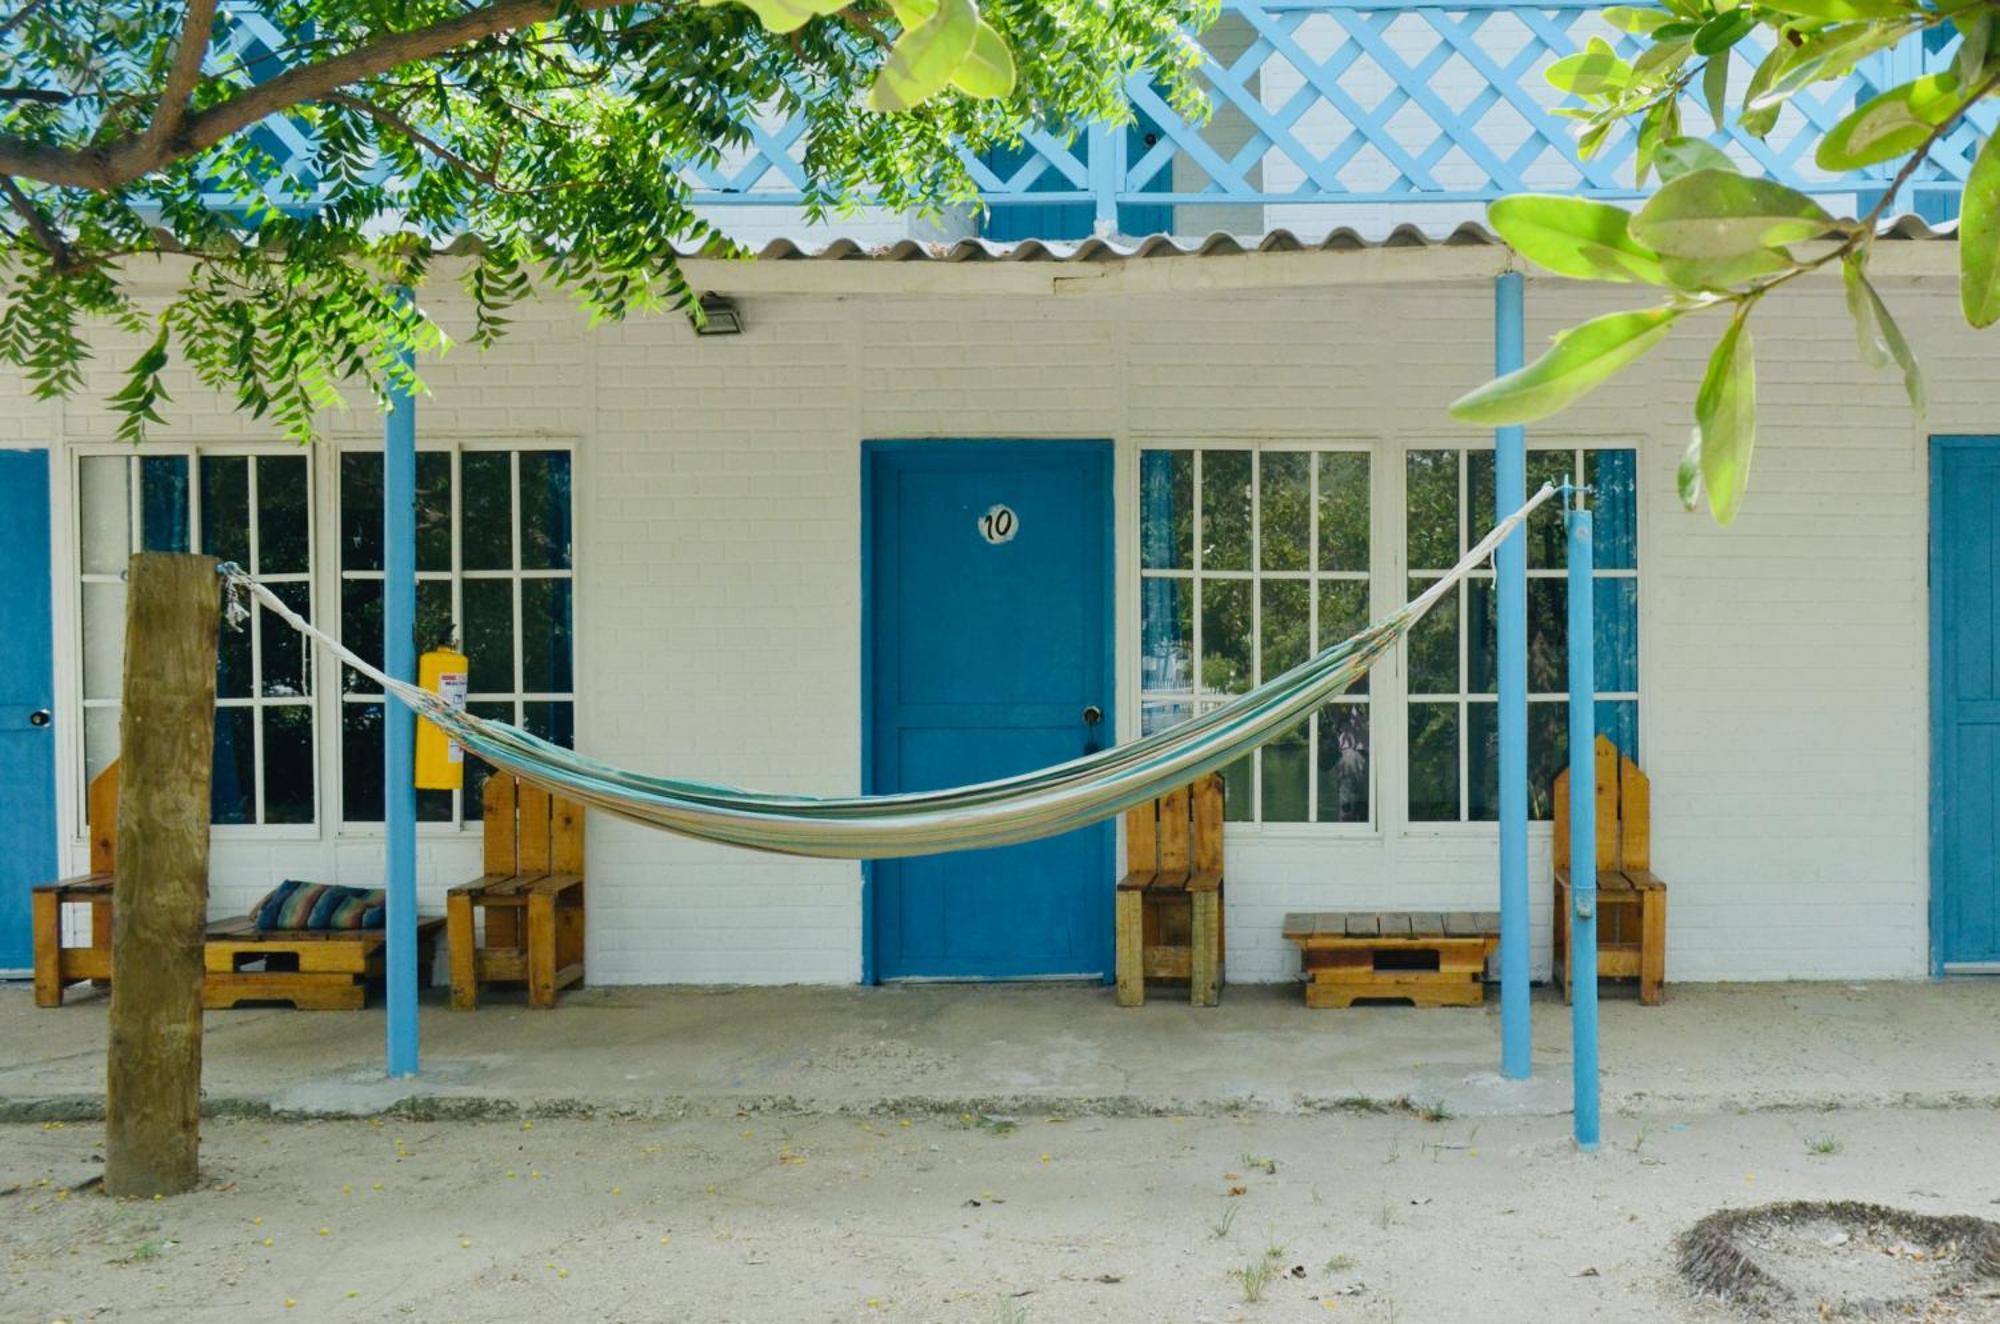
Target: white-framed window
495, 570
254, 507
1252, 558
1451, 673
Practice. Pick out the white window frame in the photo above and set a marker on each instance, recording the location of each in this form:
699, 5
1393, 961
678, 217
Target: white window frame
1312, 576
194, 452
457, 575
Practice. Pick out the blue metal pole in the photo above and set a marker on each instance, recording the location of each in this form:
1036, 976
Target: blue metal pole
1510, 566
1583, 827
399, 659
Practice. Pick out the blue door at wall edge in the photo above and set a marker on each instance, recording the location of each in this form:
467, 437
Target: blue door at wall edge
1965, 703
987, 651
27, 733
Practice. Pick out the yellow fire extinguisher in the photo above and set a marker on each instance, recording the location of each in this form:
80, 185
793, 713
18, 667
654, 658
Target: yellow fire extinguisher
440, 762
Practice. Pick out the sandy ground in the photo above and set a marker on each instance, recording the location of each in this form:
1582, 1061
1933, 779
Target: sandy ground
1387, 1217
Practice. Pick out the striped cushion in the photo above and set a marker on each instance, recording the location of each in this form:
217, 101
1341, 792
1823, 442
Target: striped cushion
298, 905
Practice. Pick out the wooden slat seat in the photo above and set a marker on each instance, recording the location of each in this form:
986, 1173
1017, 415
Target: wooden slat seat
532, 895
58, 965
313, 969
1631, 899
1168, 907
1426, 958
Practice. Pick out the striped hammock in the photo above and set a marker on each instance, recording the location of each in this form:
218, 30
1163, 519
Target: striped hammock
1030, 805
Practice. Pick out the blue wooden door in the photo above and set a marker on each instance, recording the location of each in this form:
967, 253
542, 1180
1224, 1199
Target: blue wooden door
988, 628
27, 735
1965, 699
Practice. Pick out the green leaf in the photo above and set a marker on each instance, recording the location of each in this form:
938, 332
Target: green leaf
1894, 124
1841, 11
1572, 237
1976, 42
1725, 416
1594, 70
1826, 54
987, 71
1723, 31
925, 57
1581, 360
1719, 213
1899, 348
1641, 21
1979, 238
1684, 156
784, 15
1861, 309
1662, 56
1715, 87
1687, 478
1717, 274
909, 13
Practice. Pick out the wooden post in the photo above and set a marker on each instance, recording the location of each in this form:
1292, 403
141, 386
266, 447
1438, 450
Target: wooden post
152, 1105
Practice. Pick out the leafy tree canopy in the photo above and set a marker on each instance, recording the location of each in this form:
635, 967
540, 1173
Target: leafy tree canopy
1713, 241
309, 176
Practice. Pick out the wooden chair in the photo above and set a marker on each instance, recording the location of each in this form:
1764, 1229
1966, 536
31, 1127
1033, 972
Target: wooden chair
56, 965
1631, 902
532, 893
1169, 903
1424, 958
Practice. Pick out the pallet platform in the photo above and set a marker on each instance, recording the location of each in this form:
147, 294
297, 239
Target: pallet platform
1425, 958
313, 969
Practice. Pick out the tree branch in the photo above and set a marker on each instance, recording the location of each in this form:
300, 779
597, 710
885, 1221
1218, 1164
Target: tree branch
40, 94
389, 119
39, 225
111, 166
197, 27
20, 16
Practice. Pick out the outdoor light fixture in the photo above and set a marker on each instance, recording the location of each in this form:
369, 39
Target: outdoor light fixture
719, 317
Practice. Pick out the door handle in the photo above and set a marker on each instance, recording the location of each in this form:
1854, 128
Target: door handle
1092, 716
39, 717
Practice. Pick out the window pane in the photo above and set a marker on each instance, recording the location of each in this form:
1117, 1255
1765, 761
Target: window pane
1343, 510
225, 508
288, 764
233, 659
1615, 530
106, 509
103, 640
1157, 717
360, 512
1225, 510
1166, 634
1284, 487
546, 631
545, 510
486, 511
433, 510
287, 662
1482, 636
1548, 755
284, 519
1547, 543
1482, 761
552, 721
1286, 626
435, 623
163, 503
361, 762
473, 797
1548, 636
1619, 719
100, 740
1479, 485
1236, 804
232, 792
1433, 509
1343, 612
1434, 645
489, 635
1286, 775
1617, 642
1343, 763
1166, 510
361, 630
1225, 636
1433, 762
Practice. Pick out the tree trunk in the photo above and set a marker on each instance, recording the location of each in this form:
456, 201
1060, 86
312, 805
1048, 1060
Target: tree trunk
152, 1103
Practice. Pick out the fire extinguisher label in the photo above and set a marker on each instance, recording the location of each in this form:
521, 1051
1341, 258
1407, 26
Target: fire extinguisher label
451, 687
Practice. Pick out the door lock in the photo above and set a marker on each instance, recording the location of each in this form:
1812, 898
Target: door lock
39, 717
1092, 715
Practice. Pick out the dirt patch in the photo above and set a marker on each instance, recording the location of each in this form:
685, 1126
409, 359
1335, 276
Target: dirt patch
1841, 1260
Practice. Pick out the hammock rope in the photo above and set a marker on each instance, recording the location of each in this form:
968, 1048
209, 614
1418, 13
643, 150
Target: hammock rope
1023, 807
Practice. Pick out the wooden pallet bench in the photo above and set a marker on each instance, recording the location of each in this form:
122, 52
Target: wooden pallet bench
1631, 900
531, 893
1168, 910
58, 965
1425, 958
313, 969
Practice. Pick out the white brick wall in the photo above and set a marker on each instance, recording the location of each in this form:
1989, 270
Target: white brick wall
1783, 661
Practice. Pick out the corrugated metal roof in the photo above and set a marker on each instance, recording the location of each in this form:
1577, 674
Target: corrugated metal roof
1469, 234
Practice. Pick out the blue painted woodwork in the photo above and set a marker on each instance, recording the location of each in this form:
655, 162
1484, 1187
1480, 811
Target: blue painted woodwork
1965, 701
979, 661
399, 787
1024, 171
1510, 569
1582, 835
27, 687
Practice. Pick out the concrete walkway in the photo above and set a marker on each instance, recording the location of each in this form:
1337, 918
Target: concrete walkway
1042, 1049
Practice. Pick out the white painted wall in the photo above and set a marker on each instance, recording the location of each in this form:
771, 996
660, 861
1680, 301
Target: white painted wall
1783, 661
